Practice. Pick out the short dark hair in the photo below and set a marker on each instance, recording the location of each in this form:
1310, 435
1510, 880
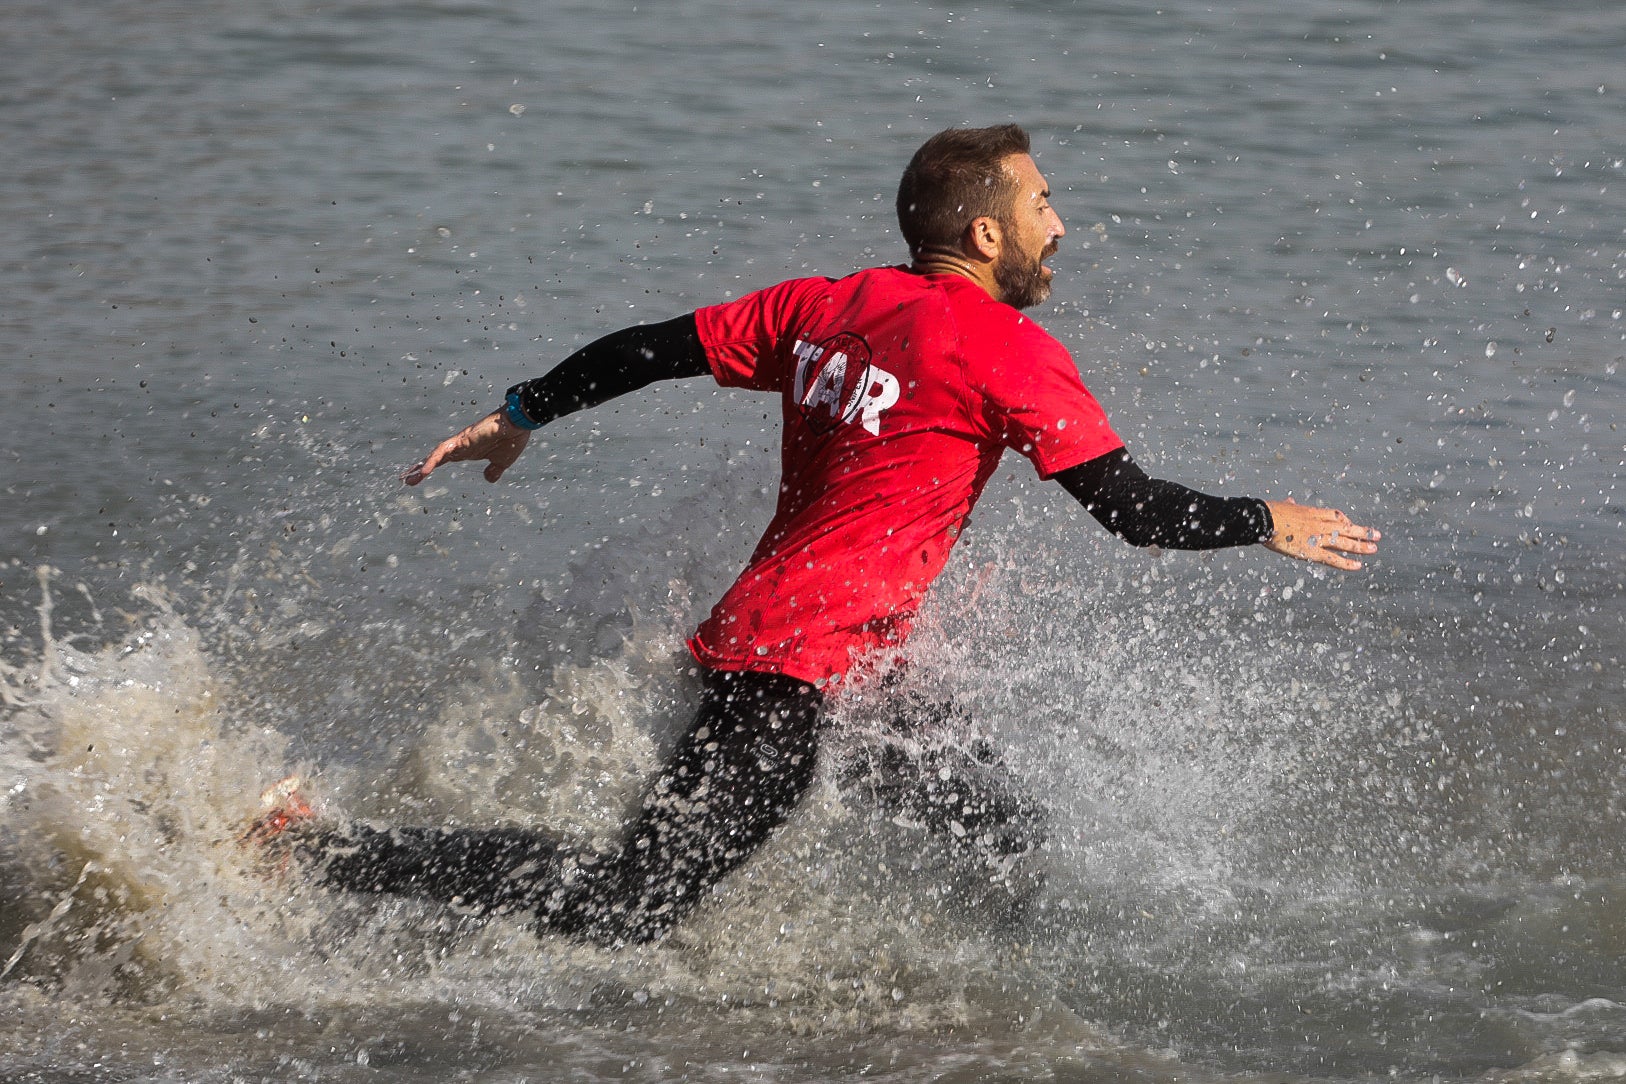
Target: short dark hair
955, 177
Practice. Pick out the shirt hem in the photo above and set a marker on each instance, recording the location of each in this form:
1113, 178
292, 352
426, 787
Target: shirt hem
813, 675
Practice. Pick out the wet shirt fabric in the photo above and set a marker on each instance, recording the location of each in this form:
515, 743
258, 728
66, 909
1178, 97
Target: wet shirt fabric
900, 392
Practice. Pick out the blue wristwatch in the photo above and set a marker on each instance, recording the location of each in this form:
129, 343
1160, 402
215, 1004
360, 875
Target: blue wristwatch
517, 415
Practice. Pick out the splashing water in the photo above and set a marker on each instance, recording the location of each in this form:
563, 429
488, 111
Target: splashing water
126, 778
1260, 827
131, 767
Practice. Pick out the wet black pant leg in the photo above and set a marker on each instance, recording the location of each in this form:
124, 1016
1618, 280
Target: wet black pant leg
955, 786
485, 868
732, 779
959, 790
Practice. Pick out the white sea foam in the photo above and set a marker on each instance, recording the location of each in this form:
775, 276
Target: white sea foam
130, 774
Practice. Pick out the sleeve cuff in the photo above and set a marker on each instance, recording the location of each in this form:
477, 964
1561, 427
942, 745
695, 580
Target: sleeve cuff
1267, 522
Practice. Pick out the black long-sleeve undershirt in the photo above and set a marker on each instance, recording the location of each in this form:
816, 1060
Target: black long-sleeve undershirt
1143, 511
621, 362
1146, 511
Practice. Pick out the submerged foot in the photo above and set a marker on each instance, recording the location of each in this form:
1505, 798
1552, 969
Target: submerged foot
275, 831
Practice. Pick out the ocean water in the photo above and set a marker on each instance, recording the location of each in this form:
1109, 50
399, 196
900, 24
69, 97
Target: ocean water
1306, 827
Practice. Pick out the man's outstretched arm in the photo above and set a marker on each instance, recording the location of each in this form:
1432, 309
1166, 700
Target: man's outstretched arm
620, 362
1148, 511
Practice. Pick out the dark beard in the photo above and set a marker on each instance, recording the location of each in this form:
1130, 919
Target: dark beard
1022, 282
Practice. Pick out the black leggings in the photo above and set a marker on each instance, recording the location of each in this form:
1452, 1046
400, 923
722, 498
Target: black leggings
732, 779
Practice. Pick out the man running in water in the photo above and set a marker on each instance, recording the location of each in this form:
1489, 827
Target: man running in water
901, 388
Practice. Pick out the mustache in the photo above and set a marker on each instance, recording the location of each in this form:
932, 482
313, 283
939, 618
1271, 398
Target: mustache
1051, 249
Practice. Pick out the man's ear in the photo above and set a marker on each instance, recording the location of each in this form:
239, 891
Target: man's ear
983, 238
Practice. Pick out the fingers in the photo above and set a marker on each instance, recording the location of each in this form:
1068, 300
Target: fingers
1345, 536
1333, 560
443, 451
1320, 535
504, 452
1329, 548
1316, 551
1353, 539
490, 439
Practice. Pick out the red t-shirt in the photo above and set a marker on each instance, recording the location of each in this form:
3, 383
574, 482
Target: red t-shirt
900, 392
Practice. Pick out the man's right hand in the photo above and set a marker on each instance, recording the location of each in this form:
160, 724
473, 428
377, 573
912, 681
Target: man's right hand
1319, 535
493, 438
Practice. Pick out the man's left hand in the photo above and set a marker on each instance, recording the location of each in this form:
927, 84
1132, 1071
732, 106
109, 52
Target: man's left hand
493, 438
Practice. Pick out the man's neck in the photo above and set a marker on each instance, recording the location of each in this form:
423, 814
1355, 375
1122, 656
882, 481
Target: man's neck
935, 261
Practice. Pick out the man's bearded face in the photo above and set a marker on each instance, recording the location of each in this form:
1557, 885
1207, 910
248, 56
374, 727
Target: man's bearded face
1022, 277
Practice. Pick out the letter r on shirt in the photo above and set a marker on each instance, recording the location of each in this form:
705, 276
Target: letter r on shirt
876, 394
